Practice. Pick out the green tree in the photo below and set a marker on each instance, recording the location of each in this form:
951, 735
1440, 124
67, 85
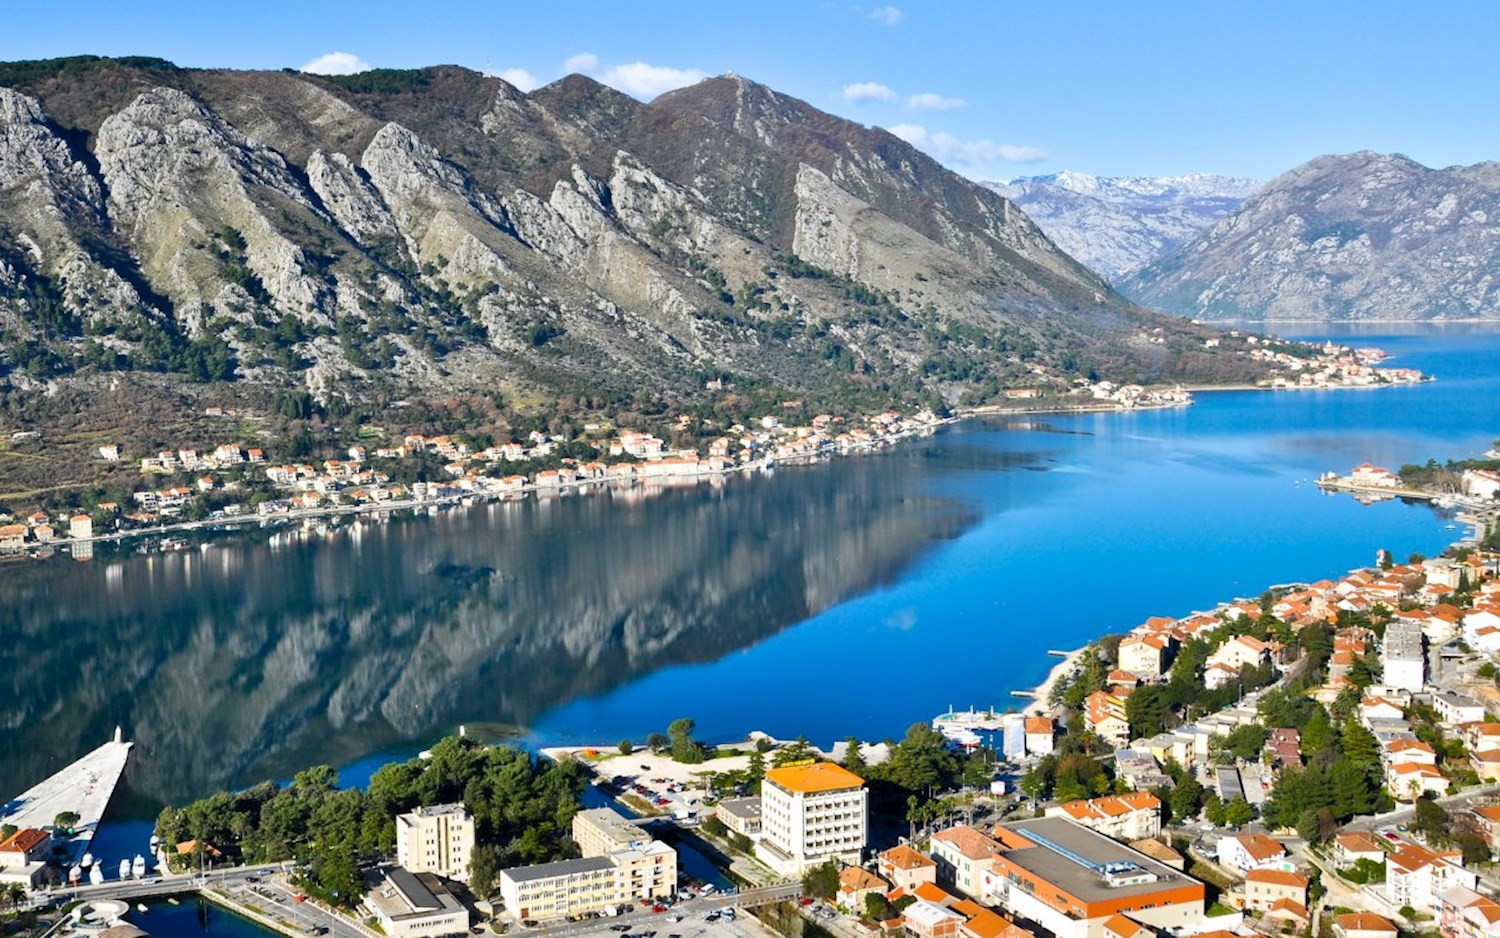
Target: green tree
1246, 741
1148, 710
65, 821
626, 747
854, 760
1238, 813
822, 880
684, 748
1213, 810
1187, 798
657, 742
1430, 820
484, 868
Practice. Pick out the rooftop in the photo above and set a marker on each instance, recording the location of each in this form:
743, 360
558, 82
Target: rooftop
817, 777
741, 807
1076, 860
526, 874
404, 894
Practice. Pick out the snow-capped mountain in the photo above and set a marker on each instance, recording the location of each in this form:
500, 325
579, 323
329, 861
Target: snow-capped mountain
1118, 224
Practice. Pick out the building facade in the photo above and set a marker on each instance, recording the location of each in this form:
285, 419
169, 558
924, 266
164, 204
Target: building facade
436, 839
811, 814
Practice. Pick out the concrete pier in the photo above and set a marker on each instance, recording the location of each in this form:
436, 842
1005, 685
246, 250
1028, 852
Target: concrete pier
84, 788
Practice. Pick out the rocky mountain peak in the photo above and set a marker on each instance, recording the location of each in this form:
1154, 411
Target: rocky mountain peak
1354, 236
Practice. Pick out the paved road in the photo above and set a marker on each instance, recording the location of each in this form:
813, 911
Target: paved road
691, 910
1404, 815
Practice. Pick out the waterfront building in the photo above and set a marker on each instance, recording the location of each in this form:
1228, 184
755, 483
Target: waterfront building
1143, 655
415, 905
810, 814
1040, 735
1402, 662
23, 858
1071, 880
1124, 817
436, 839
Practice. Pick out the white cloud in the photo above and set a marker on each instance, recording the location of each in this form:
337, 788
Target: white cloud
647, 81
890, 16
583, 63
929, 101
522, 79
868, 91
337, 63
947, 148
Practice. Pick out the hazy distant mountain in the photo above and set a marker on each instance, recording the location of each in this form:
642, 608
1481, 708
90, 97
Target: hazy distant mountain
438, 232
1118, 224
1362, 236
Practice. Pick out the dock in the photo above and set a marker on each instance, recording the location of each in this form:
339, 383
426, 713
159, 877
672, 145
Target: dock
84, 788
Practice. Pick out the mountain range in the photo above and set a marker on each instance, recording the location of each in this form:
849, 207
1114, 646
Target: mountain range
437, 232
1118, 224
1362, 236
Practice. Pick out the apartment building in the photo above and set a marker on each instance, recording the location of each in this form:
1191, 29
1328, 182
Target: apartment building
810, 814
436, 839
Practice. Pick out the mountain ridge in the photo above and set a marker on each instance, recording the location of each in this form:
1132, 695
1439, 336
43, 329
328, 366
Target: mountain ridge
1357, 236
436, 235
1117, 224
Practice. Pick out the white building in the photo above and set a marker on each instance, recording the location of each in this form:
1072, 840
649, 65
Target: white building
409, 905
1131, 816
1415, 875
436, 839
810, 814
1401, 658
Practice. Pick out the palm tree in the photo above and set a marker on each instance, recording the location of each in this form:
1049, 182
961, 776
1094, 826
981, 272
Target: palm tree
12, 895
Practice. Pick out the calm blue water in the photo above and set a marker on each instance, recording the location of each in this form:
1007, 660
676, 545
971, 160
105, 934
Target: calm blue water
194, 918
1125, 516
854, 597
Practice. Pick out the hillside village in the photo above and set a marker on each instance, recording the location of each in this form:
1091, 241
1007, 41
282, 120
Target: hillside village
233, 481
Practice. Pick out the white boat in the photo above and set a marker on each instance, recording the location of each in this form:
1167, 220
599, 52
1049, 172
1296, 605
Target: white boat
75, 874
138, 867
141, 908
88, 861
124, 869
96, 875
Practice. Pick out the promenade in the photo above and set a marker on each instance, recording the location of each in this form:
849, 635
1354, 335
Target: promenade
83, 788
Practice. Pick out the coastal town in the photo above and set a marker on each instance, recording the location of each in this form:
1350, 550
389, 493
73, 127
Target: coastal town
1323, 759
191, 487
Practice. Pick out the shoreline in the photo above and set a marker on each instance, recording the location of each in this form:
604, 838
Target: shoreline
231, 524
1039, 704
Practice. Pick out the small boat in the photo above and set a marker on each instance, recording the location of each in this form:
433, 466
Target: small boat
124, 869
138, 867
141, 908
96, 875
88, 861
155, 842
173, 900
74, 875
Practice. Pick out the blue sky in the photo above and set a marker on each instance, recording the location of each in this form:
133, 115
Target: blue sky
994, 89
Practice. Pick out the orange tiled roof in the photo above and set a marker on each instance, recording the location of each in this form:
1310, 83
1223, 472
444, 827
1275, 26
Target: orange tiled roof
1277, 878
817, 777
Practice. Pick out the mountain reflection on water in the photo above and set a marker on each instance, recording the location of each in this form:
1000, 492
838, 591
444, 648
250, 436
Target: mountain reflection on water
268, 651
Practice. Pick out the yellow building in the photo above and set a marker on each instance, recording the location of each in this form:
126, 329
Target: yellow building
436, 839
